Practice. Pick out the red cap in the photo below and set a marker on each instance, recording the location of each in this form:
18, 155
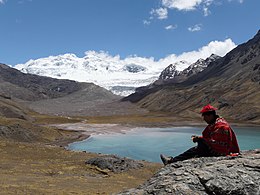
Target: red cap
208, 108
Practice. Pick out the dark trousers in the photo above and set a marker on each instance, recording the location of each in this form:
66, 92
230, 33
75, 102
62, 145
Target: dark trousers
201, 150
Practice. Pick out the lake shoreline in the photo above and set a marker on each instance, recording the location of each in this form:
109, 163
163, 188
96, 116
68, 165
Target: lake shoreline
82, 130
148, 143
85, 131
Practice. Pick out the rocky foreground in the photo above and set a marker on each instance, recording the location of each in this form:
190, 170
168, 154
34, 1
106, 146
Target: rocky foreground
213, 175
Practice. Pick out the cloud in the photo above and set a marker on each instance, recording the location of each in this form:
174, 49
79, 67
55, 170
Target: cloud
206, 11
171, 27
160, 13
196, 27
146, 22
181, 4
220, 48
188, 5
2, 1
239, 1
24, 1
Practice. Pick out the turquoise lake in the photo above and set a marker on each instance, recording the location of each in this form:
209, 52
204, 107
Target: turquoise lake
149, 143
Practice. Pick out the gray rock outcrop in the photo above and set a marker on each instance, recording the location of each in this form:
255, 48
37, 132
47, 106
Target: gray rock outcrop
114, 163
211, 175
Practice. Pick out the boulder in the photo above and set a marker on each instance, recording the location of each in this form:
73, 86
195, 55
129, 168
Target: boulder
114, 163
207, 175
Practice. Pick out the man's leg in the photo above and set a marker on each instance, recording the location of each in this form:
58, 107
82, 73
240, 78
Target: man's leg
200, 150
203, 149
190, 153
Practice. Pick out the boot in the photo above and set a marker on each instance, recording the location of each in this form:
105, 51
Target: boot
166, 160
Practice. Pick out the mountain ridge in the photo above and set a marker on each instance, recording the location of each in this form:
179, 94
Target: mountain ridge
231, 83
99, 68
121, 76
171, 75
55, 96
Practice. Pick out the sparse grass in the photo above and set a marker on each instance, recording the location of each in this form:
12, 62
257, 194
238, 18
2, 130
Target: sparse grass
149, 119
146, 119
36, 168
28, 168
48, 119
130, 119
25, 131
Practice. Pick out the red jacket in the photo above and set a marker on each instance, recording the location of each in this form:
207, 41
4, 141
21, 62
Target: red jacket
221, 138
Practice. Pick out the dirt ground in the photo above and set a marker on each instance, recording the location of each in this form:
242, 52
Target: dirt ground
34, 168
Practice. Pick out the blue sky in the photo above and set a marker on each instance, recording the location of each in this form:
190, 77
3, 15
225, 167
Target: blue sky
31, 29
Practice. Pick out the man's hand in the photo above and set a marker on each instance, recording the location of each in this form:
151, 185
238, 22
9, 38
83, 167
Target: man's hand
195, 138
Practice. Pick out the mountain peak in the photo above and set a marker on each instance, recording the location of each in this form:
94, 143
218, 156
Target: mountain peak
171, 71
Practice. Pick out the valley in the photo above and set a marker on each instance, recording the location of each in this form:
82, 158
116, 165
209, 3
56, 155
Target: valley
36, 111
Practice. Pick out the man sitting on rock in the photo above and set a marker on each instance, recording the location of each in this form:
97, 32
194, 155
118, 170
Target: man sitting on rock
218, 139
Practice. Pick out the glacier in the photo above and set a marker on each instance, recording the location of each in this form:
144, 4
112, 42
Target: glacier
121, 76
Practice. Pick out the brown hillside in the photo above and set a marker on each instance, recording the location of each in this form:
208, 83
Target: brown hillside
231, 83
57, 96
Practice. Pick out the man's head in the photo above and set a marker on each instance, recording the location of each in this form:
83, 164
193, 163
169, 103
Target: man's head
208, 113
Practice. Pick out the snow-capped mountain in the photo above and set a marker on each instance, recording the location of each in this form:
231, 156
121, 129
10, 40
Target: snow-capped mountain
171, 71
121, 76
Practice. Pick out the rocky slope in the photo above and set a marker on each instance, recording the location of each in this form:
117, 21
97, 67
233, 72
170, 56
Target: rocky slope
55, 96
171, 75
212, 175
230, 83
11, 109
16, 84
